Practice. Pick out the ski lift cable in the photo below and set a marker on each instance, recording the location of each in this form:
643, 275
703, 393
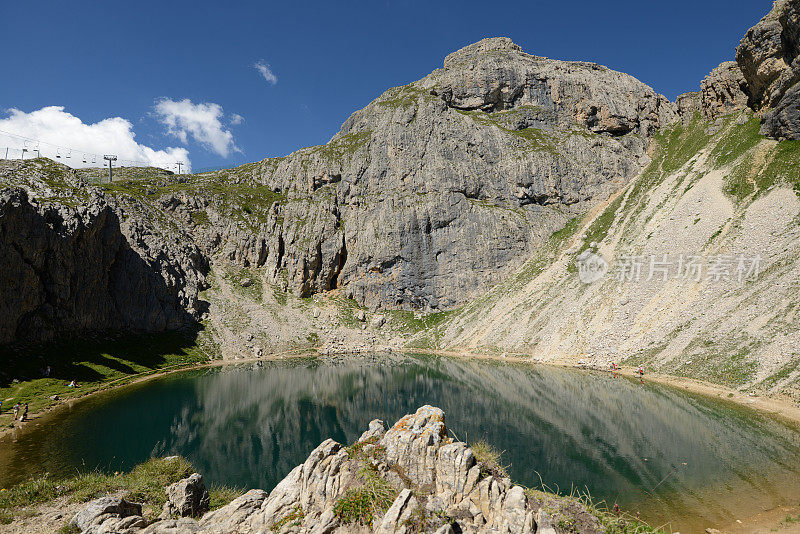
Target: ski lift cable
69, 150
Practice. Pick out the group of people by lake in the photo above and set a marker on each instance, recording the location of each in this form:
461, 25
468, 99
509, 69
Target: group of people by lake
17, 408
20, 410
639, 371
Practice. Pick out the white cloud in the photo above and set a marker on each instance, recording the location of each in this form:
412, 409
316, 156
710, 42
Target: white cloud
236, 119
52, 126
200, 121
263, 68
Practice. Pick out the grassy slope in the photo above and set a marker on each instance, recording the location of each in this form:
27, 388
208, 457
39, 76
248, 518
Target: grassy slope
94, 364
144, 484
750, 166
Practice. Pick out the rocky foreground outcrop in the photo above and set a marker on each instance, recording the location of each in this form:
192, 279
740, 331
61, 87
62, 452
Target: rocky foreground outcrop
410, 478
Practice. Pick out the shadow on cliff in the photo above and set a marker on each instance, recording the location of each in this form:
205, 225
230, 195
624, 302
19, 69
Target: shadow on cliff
97, 359
67, 273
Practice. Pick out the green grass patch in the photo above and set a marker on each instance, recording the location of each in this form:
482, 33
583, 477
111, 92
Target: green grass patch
428, 328
737, 140
403, 96
144, 484
578, 513
200, 217
721, 363
409, 321
739, 184
746, 178
682, 143
598, 230
783, 373
220, 496
246, 282
94, 364
536, 139
348, 308
782, 166
242, 199
345, 146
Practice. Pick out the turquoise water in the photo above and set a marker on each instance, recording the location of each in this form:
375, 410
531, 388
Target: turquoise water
670, 455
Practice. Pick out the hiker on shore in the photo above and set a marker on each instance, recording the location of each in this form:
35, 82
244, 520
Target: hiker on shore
24, 413
16, 411
640, 370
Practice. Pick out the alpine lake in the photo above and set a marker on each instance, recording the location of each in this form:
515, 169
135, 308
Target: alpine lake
678, 459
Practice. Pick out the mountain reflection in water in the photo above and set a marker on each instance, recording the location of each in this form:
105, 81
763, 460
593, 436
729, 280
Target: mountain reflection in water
653, 449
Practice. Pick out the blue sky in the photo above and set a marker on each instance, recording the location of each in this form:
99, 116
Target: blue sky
101, 60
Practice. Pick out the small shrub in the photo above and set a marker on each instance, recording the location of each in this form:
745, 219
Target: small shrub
488, 458
293, 518
6, 517
69, 528
363, 503
373, 450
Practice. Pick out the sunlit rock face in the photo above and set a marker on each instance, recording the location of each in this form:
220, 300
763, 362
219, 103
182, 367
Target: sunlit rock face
434, 190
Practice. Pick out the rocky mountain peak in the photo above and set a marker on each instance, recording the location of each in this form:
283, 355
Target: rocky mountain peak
490, 44
495, 75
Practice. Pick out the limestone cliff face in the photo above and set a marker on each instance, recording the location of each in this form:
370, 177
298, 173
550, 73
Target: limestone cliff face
687, 104
67, 270
764, 76
769, 57
424, 199
433, 191
722, 91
